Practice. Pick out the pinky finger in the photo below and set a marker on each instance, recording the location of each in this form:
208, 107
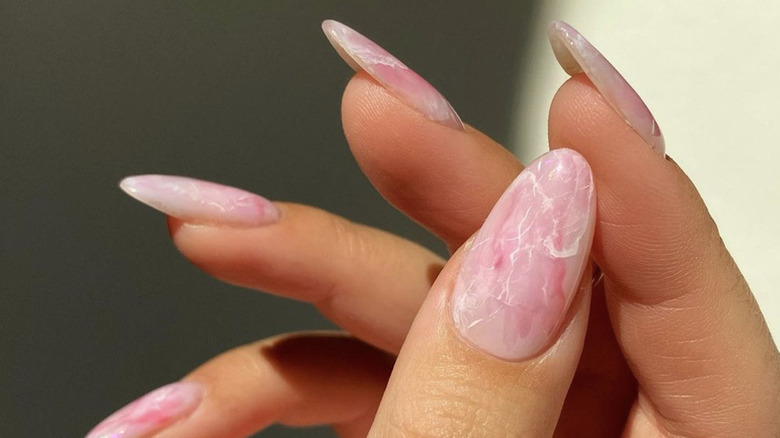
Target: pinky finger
302, 379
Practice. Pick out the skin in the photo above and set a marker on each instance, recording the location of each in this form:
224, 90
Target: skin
670, 343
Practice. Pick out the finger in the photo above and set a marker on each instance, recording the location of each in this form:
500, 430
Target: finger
436, 175
298, 380
682, 312
496, 335
367, 281
413, 147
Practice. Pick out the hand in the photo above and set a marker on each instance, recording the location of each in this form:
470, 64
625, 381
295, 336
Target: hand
671, 341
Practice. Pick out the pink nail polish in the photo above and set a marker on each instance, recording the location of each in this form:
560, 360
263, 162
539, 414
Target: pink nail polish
363, 54
576, 55
199, 201
524, 265
151, 413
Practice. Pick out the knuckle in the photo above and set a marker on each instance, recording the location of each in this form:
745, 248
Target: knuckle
354, 243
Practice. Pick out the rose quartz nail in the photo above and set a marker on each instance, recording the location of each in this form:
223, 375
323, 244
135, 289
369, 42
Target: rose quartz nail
524, 265
363, 54
576, 55
199, 201
151, 413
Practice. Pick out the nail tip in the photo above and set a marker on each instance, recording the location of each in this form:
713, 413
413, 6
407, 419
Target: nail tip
560, 26
327, 27
133, 185
554, 27
361, 53
577, 55
333, 31
330, 25
128, 184
558, 33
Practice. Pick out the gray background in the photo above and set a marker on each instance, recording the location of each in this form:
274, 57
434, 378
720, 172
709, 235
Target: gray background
97, 306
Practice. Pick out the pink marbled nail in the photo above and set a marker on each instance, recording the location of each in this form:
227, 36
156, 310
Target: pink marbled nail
576, 55
363, 54
524, 265
151, 413
193, 200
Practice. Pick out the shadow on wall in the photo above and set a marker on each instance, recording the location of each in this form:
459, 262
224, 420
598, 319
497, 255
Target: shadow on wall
98, 307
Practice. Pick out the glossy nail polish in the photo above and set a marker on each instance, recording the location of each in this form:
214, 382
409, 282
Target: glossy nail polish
363, 54
151, 413
524, 265
576, 55
201, 202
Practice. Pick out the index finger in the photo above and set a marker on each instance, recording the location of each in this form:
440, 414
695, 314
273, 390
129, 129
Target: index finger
409, 142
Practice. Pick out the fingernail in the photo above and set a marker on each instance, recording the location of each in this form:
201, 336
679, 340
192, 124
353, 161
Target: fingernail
199, 201
524, 265
576, 55
151, 413
363, 54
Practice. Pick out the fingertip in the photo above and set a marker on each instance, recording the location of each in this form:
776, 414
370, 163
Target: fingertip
629, 172
581, 118
647, 206
434, 174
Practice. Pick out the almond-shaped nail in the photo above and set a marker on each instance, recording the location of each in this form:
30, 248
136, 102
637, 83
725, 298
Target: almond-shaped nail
151, 413
202, 202
363, 54
576, 55
524, 265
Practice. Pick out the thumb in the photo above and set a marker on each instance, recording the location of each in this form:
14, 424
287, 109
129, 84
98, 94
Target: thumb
502, 329
682, 312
